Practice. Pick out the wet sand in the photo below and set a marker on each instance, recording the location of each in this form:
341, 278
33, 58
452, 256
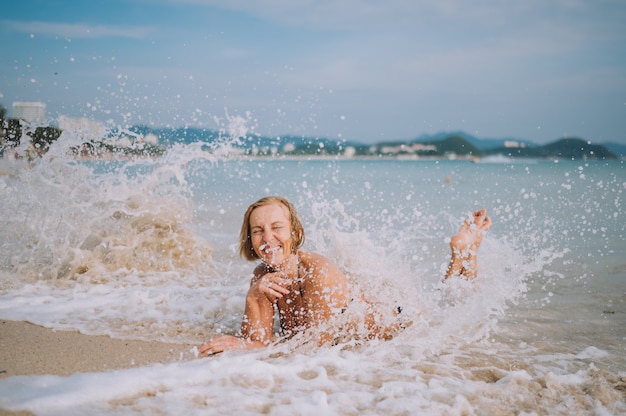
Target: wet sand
28, 349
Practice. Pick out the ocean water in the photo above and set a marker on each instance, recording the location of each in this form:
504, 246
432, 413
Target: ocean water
147, 249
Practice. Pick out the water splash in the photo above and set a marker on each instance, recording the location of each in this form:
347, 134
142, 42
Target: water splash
71, 218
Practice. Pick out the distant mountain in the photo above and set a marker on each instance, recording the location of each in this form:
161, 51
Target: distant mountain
436, 145
170, 136
303, 144
567, 148
460, 145
456, 144
481, 144
617, 148
187, 135
465, 144
431, 147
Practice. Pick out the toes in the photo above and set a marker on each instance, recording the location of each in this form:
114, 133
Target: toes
482, 221
481, 213
486, 224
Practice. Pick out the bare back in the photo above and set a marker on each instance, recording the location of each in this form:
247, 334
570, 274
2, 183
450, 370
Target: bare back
318, 291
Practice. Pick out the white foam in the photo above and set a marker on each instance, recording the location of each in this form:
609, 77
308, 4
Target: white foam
147, 249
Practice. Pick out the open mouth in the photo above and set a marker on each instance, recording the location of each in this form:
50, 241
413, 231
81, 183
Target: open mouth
265, 248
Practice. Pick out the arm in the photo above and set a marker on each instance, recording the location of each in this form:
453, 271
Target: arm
258, 318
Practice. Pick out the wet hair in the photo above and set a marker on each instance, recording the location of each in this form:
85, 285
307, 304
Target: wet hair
245, 241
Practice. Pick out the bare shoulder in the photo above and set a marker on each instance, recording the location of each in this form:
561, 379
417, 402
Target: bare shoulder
320, 268
314, 261
325, 288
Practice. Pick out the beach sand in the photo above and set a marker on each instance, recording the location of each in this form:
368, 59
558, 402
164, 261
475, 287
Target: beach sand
29, 349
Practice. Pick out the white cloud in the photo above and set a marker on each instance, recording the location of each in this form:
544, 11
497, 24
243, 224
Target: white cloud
393, 66
76, 30
390, 14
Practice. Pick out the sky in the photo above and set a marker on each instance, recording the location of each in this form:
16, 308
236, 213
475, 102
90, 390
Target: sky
359, 70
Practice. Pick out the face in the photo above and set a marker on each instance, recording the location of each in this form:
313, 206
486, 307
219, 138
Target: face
270, 233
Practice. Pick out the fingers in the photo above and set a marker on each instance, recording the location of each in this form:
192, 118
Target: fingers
274, 293
223, 343
277, 283
274, 286
218, 345
208, 348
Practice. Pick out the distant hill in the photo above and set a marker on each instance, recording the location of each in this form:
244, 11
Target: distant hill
170, 136
463, 144
618, 149
454, 144
437, 145
567, 148
253, 144
481, 144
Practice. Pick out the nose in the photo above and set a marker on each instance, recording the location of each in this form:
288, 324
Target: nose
267, 236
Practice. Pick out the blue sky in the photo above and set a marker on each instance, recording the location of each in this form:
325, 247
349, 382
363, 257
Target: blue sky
366, 70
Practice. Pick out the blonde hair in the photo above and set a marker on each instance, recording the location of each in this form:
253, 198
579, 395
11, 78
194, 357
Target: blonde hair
245, 241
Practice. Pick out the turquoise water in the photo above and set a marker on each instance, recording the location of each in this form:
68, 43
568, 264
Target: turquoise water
148, 250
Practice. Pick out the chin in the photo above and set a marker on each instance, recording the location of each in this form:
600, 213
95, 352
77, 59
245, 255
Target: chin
274, 260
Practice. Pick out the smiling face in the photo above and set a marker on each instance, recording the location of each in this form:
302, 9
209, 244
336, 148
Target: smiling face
271, 233
247, 249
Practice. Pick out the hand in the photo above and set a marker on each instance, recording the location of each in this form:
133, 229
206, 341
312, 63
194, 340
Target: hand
273, 285
221, 344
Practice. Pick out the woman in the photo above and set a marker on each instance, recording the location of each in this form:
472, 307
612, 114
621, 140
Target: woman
307, 288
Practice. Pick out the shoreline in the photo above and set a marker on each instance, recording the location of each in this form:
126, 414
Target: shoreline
30, 349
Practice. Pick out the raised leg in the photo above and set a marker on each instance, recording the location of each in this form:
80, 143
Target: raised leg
465, 244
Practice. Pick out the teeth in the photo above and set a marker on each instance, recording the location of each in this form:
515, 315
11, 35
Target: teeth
266, 249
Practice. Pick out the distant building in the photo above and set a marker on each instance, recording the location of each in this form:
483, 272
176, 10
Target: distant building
30, 112
408, 148
514, 144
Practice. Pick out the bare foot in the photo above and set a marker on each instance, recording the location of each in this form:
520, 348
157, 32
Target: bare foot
465, 245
